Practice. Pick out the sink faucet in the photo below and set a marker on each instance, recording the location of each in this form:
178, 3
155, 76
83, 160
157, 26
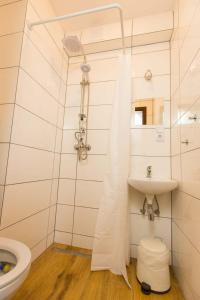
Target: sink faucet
149, 171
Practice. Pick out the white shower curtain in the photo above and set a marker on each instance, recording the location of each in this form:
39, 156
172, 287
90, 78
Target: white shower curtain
111, 243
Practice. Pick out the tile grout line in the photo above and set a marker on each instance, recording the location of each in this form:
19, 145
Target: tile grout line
186, 237
58, 187
53, 167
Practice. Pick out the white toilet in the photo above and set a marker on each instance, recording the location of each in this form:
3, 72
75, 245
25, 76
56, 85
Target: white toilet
19, 255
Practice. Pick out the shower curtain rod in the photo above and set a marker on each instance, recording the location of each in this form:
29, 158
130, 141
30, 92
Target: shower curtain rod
85, 12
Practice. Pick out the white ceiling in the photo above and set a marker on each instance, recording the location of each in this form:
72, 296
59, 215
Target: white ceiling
131, 8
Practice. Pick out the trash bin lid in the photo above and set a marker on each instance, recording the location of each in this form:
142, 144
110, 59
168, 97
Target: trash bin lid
153, 245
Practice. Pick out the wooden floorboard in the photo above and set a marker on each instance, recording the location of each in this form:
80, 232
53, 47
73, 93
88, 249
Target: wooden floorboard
57, 275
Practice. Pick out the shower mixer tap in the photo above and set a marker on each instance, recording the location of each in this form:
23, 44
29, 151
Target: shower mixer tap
81, 146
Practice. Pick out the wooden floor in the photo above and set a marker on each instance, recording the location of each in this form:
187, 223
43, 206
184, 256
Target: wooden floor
57, 275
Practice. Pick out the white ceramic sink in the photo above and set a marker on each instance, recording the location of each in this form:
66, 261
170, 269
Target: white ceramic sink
152, 186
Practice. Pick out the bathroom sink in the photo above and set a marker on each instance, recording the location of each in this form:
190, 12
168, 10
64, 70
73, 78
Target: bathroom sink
152, 186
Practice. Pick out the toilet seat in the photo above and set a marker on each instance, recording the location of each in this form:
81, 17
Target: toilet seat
23, 258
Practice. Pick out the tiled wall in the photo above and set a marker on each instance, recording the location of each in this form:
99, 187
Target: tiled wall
10, 49
80, 184
33, 85
185, 91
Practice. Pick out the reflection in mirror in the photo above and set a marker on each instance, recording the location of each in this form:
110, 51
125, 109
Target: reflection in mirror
148, 112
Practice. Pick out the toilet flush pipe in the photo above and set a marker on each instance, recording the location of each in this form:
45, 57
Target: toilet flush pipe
86, 12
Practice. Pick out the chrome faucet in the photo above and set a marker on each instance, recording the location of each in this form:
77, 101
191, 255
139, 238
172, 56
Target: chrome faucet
149, 171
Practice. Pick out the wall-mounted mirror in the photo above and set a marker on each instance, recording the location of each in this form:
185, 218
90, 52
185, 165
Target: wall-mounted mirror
148, 112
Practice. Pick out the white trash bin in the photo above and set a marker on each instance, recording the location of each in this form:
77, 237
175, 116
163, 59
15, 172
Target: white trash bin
153, 265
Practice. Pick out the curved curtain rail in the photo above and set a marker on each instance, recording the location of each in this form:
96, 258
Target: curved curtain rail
85, 12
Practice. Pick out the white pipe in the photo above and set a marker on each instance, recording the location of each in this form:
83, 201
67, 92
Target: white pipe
85, 12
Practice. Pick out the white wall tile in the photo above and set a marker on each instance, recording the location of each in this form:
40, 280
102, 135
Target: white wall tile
71, 118
54, 191
175, 107
58, 141
44, 10
100, 93
38, 249
144, 142
3, 161
93, 168
40, 71
81, 241
6, 115
43, 40
56, 165
191, 172
136, 200
85, 221
157, 62
10, 48
191, 42
158, 87
68, 166
29, 231
98, 140
151, 48
68, 141
1, 195
160, 166
73, 96
62, 92
50, 239
155, 22
60, 118
88, 193
188, 96
63, 237
8, 79
100, 117
15, 13
23, 200
185, 166
106, 32
26, 164
186, 264
161, 227
176, 168
64, 218
174, 61
97, 72
186, 216
66, 192
34, 98
52, 218
32, 131
176, 139
190, 128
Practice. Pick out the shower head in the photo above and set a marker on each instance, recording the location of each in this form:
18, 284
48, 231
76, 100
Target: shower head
72, 44
85, 68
